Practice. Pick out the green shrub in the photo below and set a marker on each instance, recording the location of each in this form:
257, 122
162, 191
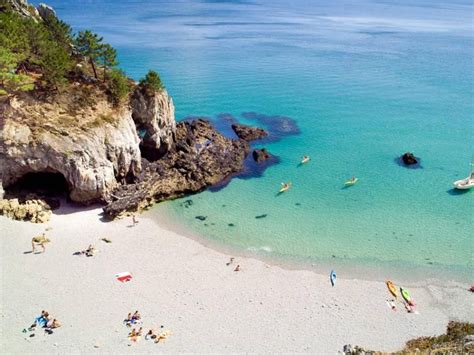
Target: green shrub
119, 86
152, 82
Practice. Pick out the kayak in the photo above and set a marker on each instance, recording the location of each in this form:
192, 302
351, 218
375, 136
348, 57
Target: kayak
406, 296
392, 288
332, 277
285, 188
351, 182
305, 160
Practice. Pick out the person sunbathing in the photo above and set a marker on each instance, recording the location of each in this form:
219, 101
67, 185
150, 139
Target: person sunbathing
53, 324
128, 320
39, 240
41, 320
135, 335
90, 251
163, 336
136, 317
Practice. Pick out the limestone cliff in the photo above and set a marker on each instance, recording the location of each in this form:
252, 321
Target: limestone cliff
78, 134
154, 118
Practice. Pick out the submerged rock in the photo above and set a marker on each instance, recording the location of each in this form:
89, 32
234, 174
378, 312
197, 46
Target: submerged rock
409, 159
248, 133
260, 155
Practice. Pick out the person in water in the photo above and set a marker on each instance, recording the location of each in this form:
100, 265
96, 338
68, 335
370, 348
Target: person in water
39, 240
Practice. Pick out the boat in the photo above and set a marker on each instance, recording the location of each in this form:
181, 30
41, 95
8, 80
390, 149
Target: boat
351, 182
332, 277
406, 296
392, 288
465, 184
305, 159
284, 187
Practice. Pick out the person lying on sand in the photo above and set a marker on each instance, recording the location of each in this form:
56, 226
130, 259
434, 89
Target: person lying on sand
230, 261
128, 320
39, 240
52, 324
136, 317
41, 320
163, 336
90, 251
237, 268
135, 335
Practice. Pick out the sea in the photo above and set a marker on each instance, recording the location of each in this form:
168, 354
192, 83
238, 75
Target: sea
353, 85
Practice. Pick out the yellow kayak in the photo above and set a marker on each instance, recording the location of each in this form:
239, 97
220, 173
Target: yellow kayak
392, 288
285, 187
351, 182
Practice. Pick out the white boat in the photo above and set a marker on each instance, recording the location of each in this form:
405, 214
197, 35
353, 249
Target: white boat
465, 184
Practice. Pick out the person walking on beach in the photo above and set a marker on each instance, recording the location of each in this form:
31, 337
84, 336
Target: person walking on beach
134, 219
39, 240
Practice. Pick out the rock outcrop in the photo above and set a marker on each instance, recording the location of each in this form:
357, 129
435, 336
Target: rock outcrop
260, 155
155, 122
90, 143
202, 157
36, 211
409, 159
248, 133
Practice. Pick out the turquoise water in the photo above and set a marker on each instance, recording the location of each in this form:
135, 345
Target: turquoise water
365, 81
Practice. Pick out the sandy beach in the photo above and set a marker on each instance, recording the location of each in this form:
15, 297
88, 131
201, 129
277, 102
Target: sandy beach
189, 289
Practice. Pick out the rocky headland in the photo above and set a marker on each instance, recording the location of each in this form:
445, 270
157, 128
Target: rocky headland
126, 154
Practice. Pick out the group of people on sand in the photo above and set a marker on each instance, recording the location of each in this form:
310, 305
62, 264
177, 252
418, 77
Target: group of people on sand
45, 321
136, 333
231, 261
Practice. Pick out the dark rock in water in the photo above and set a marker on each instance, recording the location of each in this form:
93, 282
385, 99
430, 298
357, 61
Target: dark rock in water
260, 155
261, 216
201, 218
231, 225
248, 133
202, 158
277, 126
409, 159
187, 203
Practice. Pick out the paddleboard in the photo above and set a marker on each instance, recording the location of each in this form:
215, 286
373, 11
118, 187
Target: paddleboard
332, 277
392, 288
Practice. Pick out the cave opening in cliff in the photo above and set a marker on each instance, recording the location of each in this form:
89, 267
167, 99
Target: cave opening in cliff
41, 184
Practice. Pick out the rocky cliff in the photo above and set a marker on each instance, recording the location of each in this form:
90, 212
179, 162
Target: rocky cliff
155, 122
202, 157
92, 144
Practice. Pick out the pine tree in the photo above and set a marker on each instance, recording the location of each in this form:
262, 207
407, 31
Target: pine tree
152, 82
89, 45
109, 58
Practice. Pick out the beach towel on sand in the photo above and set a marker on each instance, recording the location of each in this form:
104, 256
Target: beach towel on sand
123, 276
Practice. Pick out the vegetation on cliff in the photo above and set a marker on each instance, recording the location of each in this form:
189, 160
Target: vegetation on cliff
39, 52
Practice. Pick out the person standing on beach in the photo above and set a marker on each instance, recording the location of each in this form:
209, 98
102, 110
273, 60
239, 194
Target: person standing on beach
134, 219
39, 240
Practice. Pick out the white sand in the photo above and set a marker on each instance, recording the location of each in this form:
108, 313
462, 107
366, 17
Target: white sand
189, 289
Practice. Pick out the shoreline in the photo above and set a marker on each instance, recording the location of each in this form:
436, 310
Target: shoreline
373, 270
188, 288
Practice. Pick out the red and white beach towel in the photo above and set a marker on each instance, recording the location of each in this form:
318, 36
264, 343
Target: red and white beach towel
124, 276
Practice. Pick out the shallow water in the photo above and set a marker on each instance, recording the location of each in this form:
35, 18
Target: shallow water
364, 82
